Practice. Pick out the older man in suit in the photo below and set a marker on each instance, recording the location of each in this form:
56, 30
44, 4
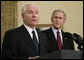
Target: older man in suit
25, 42
57, 38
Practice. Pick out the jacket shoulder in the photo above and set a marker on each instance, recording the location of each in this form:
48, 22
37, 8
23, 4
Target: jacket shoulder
12, 30
15, 29
47, 30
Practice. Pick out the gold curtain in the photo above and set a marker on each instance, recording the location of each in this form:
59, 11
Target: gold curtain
8, 16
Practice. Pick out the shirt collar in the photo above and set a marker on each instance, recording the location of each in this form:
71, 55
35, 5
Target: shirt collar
55, 29
29, 29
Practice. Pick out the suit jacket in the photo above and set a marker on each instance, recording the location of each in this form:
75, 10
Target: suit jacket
17, 44
52, 42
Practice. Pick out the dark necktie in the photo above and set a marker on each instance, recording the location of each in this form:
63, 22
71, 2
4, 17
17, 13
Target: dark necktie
59, 40
36, 44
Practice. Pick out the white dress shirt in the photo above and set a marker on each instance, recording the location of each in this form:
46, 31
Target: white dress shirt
30, 32
55, 34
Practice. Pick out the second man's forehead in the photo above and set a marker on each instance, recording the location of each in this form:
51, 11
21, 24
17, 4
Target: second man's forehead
59, 14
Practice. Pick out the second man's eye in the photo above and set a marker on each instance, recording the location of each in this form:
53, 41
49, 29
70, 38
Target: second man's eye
60, 17
56, 17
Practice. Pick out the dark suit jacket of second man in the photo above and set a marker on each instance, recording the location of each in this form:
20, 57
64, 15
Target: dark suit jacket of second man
52, 42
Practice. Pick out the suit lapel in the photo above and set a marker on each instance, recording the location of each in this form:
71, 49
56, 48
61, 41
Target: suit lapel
65, 40
26, 37
53, 36
52, 39
41, 42
40, 38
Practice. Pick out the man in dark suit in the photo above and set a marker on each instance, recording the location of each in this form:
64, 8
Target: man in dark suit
21, 43
65, 41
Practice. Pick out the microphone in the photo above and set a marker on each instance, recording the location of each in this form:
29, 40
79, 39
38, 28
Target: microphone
68, 35
78, 39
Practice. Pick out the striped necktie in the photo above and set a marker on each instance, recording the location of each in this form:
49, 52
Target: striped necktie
36, 44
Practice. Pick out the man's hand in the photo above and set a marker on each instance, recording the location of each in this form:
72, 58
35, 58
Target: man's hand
34, 57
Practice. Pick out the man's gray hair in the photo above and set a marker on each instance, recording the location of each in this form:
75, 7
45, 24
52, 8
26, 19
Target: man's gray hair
25, 6
59, 11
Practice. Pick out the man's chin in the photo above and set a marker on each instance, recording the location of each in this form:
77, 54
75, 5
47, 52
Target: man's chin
57, 27
34, 24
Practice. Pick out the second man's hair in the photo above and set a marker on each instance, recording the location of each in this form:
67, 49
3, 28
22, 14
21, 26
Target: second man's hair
59, 11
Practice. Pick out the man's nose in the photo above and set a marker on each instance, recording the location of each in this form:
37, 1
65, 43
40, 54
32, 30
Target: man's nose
34, 15
58, 19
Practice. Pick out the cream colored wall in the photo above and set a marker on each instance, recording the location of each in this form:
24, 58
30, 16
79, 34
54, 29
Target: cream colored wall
73, 9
